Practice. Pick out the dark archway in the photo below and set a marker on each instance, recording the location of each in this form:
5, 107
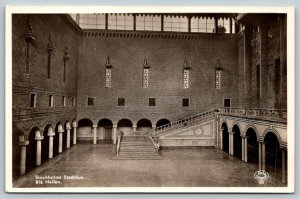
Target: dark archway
144, 123
31, 151
252, 146
84, 130
16, 152
237, 142
45, 144
162, 122
273, 153
225, 137
105, 127
124, 123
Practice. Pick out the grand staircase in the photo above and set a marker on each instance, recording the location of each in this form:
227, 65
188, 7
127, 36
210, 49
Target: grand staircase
137, 148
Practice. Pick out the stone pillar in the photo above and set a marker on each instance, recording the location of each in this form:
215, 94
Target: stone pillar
60, 138
23, 145
115, 134
229, 144
263, 156
232, 143
153, 127
134, 128
68, 128
246, 149
259, 155
221, 139
38, 138
243, 149
95, 134
50, 134
284, 167
74, 125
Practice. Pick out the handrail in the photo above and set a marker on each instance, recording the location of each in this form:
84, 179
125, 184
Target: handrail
182, 122
155, 144
119, 139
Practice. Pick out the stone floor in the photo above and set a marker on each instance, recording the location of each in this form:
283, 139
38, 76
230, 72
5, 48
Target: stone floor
179, 168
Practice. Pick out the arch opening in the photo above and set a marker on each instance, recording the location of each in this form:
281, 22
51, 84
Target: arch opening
225, 137
162, 122
144, 125
104, 131
252, 146
237, 142
125, 126
31, 151
84, 130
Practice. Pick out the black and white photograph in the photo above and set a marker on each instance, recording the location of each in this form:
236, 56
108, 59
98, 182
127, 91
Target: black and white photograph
149, 99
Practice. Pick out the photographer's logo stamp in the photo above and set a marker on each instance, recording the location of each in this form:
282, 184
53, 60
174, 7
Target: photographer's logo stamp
261, 176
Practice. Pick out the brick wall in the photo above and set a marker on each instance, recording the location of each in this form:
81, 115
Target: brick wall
165, 53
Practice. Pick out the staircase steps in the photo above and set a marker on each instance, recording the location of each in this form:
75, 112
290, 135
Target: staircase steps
137, 148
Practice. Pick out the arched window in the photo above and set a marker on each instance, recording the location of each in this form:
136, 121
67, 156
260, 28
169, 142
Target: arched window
186, 74
145, 73
108, 67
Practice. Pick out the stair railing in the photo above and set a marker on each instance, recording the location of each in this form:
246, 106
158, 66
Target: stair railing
119, 139
182, 123
155, 143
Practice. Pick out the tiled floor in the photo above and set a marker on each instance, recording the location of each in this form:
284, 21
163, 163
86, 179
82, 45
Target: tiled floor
180, 167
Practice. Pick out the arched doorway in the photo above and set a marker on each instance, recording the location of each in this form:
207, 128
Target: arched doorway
84, 130
144, 125
225, 137
45, 144
237, 142
31, 150
252, 146
273, 154
16, 152
162, 122
105, 130
125, 126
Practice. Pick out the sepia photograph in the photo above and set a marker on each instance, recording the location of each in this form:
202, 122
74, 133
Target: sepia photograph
149, 99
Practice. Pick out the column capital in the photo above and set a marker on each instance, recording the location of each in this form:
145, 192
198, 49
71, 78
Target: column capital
68, 128
74, 124
153, 126
95, 126
134, 126
51, 134
60, 130
39, 138
115, 126
24, 143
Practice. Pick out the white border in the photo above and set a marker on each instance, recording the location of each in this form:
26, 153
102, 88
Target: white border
153, 9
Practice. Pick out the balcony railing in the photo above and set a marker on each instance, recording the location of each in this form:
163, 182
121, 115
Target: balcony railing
276, 114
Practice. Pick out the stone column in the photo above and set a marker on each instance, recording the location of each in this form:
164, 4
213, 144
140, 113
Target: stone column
50, 134
115, 134
134, 128
23, 145
243, 149
153, 127
229, 140
259, 155
221, 138
38, 138
60, 138
232, 143
68, 128
74, 125
284, 167
95, 133
246, 149
263, 156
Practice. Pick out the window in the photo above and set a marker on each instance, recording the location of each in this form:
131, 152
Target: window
73, 101
121, 101
185, 102
176, 23
151, 101
32, 100
185, 78
218, 79
50, 101
151, 23
202, 24
108, 77
63, 101
120, 21
227, 102
145, 77
90, 101
92, 21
